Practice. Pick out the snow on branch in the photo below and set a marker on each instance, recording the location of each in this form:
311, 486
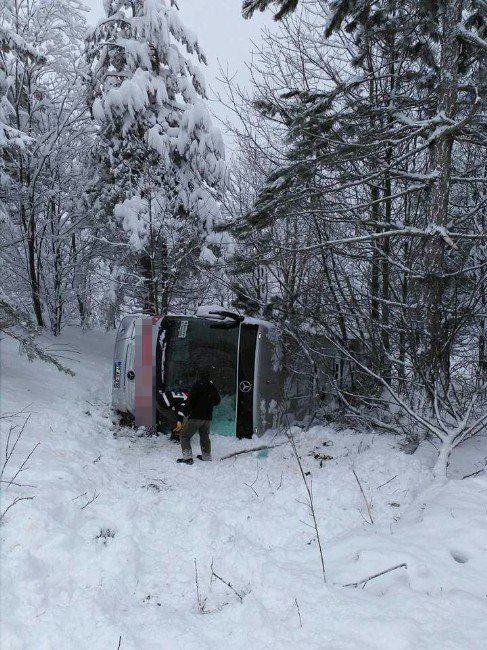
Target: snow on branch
17, 325
399, 232
470, 37
376, 575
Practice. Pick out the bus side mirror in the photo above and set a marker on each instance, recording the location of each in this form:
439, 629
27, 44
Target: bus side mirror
131, 375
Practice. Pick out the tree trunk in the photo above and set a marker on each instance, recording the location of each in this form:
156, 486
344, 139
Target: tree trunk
385, 276
386, 244
57, 269
441, 154
33, 274
164, 293
375, 268
148, 302
482, 341
442, 462
77, 282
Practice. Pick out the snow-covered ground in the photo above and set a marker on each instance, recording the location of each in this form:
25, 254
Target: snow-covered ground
120, 571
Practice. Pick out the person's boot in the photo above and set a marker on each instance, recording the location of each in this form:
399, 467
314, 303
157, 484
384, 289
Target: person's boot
186, 461
205, 458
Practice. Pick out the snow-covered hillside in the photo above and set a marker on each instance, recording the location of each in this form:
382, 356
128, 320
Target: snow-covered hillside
106, 553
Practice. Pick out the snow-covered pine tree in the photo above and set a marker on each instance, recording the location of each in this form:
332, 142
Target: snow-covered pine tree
159, 159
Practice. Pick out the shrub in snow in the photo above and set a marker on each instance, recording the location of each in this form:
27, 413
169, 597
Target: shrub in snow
105, 534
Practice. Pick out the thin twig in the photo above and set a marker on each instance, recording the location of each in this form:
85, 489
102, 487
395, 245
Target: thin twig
376, 575
280, 483
229, 584
365, 498
310, 504
10, 451
479, 471
5, 416
17, 484
249, 451
23, 464
95, 496
249, 486
79, 496
197, 583
299, 613
119, 642
201, 601
14, 502
391, 479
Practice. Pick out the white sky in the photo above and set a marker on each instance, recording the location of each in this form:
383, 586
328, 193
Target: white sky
225, 37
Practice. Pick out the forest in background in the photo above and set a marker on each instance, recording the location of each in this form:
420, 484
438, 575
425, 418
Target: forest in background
353, 214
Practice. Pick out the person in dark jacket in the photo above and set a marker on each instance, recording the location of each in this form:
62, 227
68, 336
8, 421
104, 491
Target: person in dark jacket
202, 399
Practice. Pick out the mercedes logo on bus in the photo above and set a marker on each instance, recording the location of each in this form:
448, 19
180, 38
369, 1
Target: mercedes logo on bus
245, 386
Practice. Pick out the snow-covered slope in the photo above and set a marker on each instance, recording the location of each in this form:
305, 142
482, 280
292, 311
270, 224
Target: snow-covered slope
120, 571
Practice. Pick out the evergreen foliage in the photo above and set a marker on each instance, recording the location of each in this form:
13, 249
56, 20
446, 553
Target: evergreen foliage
285, 7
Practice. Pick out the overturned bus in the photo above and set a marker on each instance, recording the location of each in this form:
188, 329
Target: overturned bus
157, 358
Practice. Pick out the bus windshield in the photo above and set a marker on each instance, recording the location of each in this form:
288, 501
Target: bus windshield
192, 344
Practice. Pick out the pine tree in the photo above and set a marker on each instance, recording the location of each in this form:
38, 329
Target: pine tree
159, 159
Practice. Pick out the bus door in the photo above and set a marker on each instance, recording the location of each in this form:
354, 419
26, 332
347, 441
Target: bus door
245, 381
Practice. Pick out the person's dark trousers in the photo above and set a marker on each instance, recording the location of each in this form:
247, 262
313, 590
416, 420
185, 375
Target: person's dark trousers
188, 431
